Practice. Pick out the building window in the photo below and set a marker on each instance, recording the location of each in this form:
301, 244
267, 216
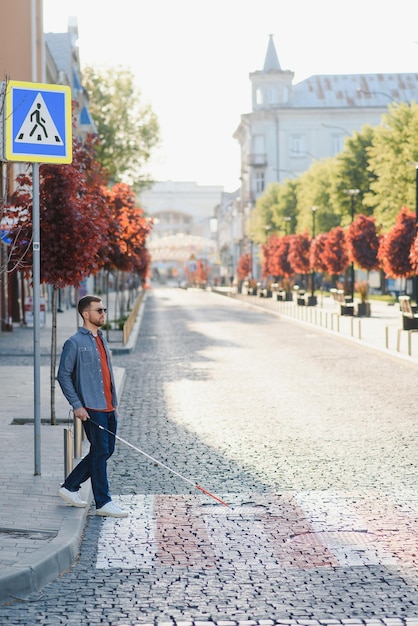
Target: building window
297, 146
337, 144
259, 144
259, 182
273, 95
259, 96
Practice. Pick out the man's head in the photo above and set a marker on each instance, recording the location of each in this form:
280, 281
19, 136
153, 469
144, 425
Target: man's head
92, 311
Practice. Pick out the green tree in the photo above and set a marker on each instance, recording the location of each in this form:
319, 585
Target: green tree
268, 217
317, 188
392, 157
128, 130
354, 172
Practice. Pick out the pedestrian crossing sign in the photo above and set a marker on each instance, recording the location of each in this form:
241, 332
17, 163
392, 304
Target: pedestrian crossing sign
38, 124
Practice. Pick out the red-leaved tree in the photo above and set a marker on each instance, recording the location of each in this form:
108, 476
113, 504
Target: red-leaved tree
244, 266
395, 246
280, 264
125, 247
265, 262
316, 257
363, 242
299, 250
270, 249
201, 272
129, 228
335, 255
74, 224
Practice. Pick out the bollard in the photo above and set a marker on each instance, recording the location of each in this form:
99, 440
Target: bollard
359, 329
387, 337
68, 452
78, 430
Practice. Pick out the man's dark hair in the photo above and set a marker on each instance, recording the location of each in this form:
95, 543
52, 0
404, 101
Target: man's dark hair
85, 302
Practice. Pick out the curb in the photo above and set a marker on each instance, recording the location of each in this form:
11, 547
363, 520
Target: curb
133, 337
31, 574
46, 564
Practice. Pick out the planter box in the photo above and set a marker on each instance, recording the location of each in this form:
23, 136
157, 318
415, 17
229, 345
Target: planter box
363, 309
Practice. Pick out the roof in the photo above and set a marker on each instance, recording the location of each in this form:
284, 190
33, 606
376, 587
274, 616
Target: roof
354, 90
341, 90
60, 47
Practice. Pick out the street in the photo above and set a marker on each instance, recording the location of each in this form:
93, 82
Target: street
310, 439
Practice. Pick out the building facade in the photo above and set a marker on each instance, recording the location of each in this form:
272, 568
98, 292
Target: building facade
185, 224
28, 54
291, 125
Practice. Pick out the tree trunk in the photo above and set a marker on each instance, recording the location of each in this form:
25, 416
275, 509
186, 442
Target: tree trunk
76, 297
383, 282
116, 286
53, 353
22, 303
107, 303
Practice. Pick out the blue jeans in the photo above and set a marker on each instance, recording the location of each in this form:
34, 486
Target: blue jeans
94, 465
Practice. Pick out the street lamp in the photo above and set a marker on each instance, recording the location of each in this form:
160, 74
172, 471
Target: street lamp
287, 221
375, 93
299, 153
344, 130
352, 193
416, 225
312, 300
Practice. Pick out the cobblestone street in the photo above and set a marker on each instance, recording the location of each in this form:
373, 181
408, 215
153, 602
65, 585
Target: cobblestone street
312, 442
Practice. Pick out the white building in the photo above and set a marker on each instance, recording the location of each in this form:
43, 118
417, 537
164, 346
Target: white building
183, 224
291, 125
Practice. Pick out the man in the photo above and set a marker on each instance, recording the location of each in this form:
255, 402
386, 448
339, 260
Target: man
86, 378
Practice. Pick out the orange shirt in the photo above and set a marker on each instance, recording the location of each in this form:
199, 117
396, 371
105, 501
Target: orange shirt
106, 374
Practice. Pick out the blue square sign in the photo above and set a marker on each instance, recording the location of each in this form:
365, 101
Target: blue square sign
38, 123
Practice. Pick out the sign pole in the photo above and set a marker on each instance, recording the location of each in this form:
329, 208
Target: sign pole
37, 129
36, 276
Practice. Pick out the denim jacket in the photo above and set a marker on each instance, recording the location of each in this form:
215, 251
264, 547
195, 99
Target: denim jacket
80, 374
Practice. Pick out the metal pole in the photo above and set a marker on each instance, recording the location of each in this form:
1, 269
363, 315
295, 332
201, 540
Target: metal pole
416, 226
352, 193
352, 262
314, 209
68, 452
36, 275
78, 434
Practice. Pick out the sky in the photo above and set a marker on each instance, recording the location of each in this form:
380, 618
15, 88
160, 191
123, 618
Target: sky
192, 58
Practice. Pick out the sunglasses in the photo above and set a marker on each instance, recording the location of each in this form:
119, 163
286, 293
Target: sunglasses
98, 310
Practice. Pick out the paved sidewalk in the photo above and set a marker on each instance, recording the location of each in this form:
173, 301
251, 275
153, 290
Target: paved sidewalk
39, 533
381, 331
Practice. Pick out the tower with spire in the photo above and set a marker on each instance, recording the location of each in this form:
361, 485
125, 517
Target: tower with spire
271, 85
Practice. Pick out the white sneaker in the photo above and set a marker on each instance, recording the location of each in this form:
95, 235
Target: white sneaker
71, 497
111, 509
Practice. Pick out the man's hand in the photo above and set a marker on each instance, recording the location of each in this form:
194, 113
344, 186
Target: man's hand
81, 414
